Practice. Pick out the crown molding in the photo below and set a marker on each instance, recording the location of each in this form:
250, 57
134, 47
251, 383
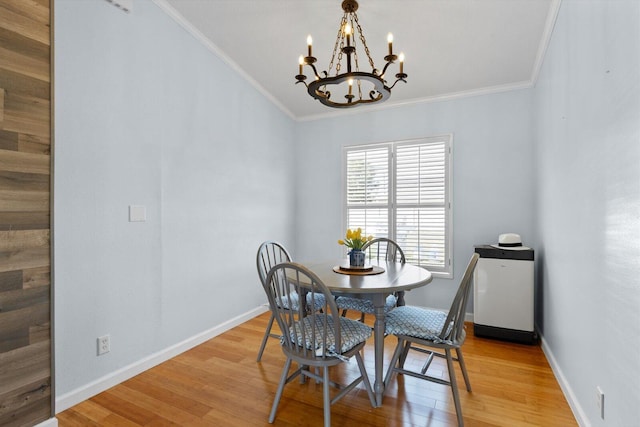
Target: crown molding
552, 17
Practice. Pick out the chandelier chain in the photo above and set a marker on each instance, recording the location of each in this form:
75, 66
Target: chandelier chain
355, 54
339, 43
364, 42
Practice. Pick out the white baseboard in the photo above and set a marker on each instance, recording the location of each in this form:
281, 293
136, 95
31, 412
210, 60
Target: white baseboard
83, 393
575, 406
51, 422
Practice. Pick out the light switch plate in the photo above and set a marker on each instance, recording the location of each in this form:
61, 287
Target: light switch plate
137, 213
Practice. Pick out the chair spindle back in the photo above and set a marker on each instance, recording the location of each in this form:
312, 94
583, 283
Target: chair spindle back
382, 248
290, 282
454, 325
270, 254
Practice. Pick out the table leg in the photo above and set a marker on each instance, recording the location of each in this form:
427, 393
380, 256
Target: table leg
400, 296
378, 337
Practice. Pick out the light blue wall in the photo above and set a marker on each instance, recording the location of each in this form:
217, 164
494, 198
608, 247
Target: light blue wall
493, 184
145, 114
587, 145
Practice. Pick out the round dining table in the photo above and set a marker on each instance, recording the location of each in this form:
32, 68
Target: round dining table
384, 279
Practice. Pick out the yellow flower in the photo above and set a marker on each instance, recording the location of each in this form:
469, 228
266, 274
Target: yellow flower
354, 239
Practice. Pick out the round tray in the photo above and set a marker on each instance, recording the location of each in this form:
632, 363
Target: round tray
347, 267
358, 271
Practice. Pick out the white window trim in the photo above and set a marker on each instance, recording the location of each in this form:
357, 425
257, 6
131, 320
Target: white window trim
447, 273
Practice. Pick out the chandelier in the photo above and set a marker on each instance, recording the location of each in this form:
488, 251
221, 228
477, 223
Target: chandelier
373, 82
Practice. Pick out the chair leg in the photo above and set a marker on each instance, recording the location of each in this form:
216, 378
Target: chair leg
365, 379
405, 352
454, 387
463, 368
326, 397
283, 381
394, 360
266, 337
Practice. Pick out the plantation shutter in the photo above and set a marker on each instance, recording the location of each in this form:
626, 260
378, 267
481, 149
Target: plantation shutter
421, 226
401, 190
368, 190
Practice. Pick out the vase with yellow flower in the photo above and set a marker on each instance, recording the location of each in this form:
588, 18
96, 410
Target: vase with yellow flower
355, 241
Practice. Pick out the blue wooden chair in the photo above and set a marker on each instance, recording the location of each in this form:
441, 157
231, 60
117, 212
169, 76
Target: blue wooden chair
380, 248
313, 338
429, 331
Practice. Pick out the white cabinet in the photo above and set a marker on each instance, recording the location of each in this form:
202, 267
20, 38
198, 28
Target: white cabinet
503, 294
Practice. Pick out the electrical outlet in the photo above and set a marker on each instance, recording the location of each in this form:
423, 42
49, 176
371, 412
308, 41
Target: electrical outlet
600, 401
104, 344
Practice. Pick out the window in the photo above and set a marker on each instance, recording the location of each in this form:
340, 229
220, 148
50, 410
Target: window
402, 190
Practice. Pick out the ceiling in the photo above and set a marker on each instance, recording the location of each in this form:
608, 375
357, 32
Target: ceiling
453, 48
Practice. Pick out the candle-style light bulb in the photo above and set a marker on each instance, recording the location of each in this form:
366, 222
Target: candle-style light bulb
390, 41
347, 31
309, 43
401, 58
301, 62
350, 86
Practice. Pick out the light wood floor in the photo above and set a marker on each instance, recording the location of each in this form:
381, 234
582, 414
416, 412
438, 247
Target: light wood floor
219, 383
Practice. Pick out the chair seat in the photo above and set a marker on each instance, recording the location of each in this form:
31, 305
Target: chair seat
352, 333
292, 302
364, 305
416, 322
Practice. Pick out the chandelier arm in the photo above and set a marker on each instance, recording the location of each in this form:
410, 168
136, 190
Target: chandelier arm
384, 70
315, 72
401, 79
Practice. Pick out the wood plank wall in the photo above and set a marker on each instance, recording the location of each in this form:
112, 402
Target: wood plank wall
25, 171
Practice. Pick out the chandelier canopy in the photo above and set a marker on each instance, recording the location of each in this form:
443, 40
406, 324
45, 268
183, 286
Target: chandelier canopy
346, 46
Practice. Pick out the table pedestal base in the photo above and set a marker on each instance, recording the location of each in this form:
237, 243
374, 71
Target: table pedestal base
378, 337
